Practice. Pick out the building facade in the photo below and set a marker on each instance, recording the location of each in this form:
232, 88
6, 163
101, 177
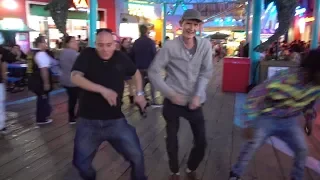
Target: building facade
33, 15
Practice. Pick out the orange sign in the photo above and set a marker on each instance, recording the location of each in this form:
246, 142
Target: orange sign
309, 19
80, 4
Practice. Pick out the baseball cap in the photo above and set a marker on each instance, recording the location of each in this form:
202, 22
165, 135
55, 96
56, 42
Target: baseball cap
191, 14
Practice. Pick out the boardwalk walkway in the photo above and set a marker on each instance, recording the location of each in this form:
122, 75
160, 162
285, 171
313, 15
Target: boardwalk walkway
32, 153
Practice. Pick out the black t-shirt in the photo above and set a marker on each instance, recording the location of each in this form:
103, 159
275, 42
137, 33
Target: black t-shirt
6, 56
108, 73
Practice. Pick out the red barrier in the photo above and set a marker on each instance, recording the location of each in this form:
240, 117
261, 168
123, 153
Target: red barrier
236, 74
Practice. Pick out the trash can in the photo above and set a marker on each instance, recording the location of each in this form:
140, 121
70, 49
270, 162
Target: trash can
236, 74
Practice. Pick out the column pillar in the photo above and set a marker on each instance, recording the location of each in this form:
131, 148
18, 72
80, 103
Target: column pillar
93, 7
316, 24
164, 24
255, 38
248, 13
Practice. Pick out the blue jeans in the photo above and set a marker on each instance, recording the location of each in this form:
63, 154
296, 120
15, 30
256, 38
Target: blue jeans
121, 135
286, 129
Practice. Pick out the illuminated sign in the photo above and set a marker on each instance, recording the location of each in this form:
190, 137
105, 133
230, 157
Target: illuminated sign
169, 27
300, 11
308, 19
12, 24
302, 25
142, 10
80, 4
10, 4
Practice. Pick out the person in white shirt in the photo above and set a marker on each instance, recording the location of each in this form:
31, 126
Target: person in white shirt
40, 82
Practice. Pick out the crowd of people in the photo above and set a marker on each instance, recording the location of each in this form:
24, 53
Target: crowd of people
280, 51
95, 79
284, 51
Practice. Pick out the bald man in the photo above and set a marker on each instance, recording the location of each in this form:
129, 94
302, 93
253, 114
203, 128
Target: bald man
100, 72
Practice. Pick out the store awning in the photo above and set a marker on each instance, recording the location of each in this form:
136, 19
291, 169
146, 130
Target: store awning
14, 24
219, 36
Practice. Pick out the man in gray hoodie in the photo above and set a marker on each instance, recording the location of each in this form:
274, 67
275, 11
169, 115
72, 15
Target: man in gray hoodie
187, 60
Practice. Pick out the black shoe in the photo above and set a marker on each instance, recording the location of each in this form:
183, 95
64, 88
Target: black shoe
4, 131
234, 176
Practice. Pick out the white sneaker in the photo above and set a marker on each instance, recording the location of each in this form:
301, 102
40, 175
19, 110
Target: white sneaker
72, 122
47, 121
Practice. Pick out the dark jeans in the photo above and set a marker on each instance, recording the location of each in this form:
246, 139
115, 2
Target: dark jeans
172, 114
121, 135
43, 107
73, 93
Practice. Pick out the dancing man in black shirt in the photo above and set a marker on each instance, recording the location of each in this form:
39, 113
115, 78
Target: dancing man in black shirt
100, 73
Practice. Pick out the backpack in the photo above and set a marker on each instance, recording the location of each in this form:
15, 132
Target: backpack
35, 82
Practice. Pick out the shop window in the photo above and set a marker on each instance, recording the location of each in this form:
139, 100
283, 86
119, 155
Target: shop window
41, 21
46, 26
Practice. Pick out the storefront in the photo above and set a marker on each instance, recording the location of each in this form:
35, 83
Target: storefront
12, 24
32, 13
41, 21
141, 14
15, 31
108, 6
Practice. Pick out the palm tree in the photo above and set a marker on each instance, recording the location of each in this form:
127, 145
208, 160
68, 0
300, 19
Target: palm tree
59, 12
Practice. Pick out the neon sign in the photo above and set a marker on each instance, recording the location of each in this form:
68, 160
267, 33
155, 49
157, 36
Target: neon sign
300, 11
141, 10
80, 4
302, 23
309, 19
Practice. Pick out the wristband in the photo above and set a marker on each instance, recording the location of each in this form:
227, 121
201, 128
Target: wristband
140, 93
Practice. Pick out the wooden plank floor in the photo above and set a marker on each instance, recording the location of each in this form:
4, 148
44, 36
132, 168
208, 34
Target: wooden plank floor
32, 153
